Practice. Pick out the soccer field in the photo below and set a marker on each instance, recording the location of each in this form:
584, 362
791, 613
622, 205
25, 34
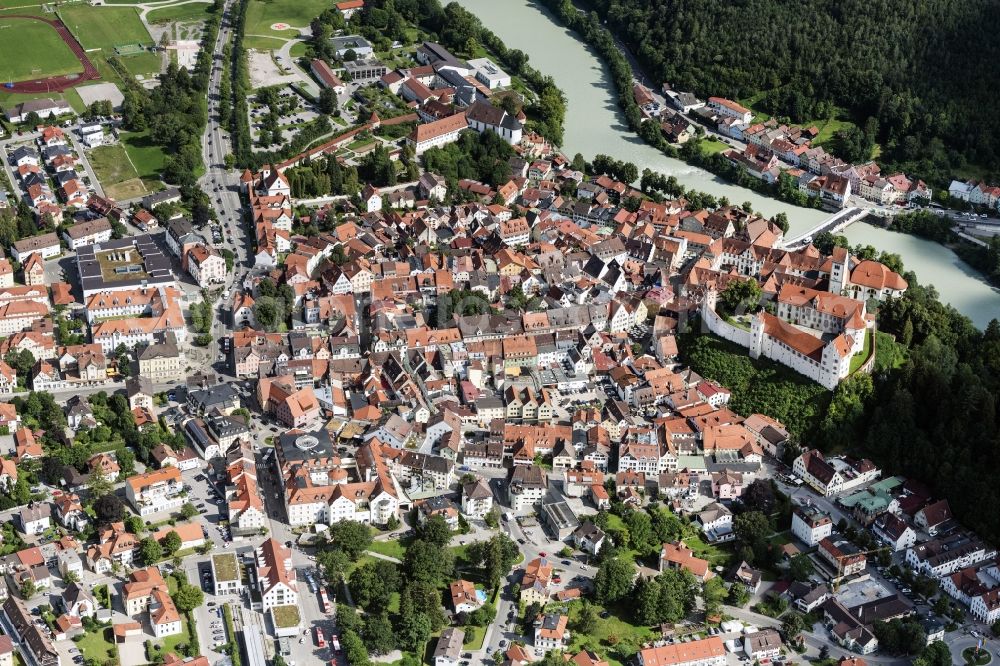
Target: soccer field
31, 49
105, 27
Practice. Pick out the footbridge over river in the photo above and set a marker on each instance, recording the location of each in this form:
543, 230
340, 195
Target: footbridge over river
834, 224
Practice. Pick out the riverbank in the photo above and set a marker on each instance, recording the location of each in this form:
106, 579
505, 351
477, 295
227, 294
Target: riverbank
595, 125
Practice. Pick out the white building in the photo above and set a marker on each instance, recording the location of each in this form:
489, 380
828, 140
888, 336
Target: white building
155, 492
276, 576
811, 525
487, 73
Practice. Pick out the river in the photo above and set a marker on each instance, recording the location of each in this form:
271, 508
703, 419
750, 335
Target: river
594, 125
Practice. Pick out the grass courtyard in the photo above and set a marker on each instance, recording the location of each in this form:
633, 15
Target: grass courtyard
98, 645
118, 177
147, 157
297, 13
31, 49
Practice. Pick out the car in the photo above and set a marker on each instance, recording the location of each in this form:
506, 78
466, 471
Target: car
210, 604
566, 563
521, 541
541, 554
503, 643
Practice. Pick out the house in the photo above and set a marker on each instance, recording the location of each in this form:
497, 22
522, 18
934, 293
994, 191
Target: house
463, 596
275, 575
700, 652
526, 486
810, 524
206, 265
448, 651
933, 516
43, 108
35, 518
46, 245
535, 581
78, 602
191, 534
716, 522
477, 499
326, 76
371, 199
139, 391
146, 591
551, 632
348, 8
88, 233
31, 637
762, 645
843, 556
731, 109
69, 511
748, 577
894, 531
678, 556
114, 546
437, 133
156, 492
589, 538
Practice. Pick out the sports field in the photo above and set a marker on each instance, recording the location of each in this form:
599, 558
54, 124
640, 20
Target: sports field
32, 49
296, 13
187, 12
104, 27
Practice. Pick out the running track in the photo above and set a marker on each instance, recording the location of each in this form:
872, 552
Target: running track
56, 83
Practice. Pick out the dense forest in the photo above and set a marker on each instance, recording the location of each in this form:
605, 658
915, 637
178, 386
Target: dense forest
921, 75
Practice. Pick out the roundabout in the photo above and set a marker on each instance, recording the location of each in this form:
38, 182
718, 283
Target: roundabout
980, 659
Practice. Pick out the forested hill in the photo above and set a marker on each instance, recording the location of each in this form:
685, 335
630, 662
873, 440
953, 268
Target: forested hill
928, 71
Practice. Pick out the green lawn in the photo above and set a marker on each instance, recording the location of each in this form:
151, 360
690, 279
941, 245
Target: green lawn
716, 555
95, 645
142, 64
111, 164
147, 157
31, 49
105, 27
859, 359
474, 637
263, 42
186, 12
298, 50
629, 637
390, 548
286, 616
711, 146
297, 13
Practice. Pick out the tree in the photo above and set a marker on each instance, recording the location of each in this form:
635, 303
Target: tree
134, 524
150, 550
327, 101
714, 593
333, 563
28, 588
189, 510
98, 484
373, 583
759, 496
586, 620
792, 625
800, 568
351, 537
427, 562
494, 557
614, 580
109, 508
188, 597
741, 296
435, 530
354, 648
751, 527
171, 543
739, 595
413, 631
71, 577
378, 634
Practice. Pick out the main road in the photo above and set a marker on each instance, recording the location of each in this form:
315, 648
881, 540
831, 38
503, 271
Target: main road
220, 183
